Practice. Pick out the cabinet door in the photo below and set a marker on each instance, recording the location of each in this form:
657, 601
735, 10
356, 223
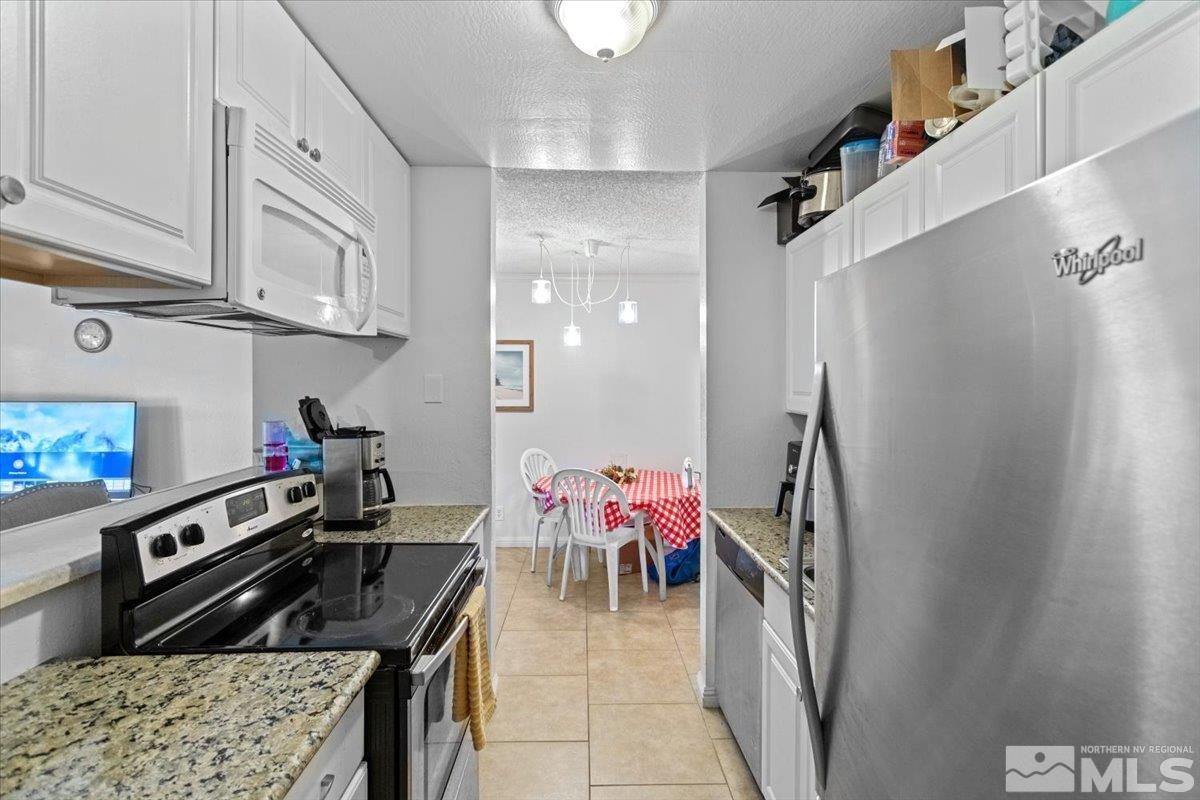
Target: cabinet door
787, 772
107, 121
334, 124
889, 211
821, 250
388, 179
990, 156
260, 64
1129, 78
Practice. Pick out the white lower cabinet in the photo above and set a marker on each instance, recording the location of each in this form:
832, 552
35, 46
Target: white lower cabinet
821, 250
337, 771
1126, 80
990, 156
788, 771
106, 124
357, 790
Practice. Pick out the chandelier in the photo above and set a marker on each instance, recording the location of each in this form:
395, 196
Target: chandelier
580, 285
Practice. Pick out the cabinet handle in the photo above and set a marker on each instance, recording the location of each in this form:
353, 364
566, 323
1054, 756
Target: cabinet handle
302, 143
315, 155
326, 785
12, 191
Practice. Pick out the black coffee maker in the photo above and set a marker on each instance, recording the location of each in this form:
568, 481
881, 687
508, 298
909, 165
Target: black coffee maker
787, 487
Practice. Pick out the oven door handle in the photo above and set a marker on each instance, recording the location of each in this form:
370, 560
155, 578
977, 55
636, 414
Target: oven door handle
427, 665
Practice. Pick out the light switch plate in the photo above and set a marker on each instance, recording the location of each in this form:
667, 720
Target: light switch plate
433, 388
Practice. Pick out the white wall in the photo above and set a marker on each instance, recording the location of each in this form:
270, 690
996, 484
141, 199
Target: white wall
748, 429
437, 452
629, 390
192, 384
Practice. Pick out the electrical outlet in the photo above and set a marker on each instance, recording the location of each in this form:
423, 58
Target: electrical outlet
499, 514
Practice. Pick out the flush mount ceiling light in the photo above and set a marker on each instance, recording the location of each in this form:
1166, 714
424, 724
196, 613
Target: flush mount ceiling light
605, 29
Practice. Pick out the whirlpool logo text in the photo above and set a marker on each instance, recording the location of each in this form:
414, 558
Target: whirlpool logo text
1088, 265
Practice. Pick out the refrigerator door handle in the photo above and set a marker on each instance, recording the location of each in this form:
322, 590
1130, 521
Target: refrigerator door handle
808, 455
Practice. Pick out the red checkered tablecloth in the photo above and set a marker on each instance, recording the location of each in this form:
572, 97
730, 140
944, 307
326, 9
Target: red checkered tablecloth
673, 509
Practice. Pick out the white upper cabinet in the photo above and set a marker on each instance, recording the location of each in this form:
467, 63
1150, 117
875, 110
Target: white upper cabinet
265, 63
821, 250
996, 153
106, 122
260, 64
388, 180
1129, 78
334, 123
888, 212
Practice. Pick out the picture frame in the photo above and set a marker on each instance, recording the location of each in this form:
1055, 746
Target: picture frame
515, 375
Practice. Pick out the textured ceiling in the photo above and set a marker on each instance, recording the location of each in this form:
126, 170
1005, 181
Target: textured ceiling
657, 213
729, 84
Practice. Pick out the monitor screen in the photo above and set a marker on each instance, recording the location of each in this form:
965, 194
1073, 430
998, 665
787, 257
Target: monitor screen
52, 442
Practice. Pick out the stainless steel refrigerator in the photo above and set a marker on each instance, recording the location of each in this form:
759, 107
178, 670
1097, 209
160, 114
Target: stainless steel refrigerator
1008, 492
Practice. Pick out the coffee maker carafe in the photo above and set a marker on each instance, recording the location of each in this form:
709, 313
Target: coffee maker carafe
357, 485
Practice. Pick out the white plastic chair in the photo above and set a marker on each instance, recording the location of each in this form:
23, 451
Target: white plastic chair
537, 464
586, 493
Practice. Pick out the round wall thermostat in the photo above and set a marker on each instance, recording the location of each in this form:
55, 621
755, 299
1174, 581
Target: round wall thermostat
92, 335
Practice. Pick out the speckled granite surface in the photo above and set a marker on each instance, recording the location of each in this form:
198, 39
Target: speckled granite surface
227, 726
414, 524
765, 537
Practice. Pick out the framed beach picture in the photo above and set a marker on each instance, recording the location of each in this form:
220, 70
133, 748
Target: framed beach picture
514, 375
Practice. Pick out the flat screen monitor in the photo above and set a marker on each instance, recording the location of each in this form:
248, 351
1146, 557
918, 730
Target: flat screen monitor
52, 442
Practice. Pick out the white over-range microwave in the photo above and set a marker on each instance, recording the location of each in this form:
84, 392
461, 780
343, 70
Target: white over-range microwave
291, 253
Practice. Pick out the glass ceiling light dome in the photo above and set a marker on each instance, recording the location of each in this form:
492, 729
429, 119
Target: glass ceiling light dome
605, 29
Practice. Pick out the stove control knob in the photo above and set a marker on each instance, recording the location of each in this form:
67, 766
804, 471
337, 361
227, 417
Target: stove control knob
295, 494
163, 545
310, 489
192, 534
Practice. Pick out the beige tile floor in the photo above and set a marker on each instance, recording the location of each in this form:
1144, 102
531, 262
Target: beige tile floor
599, 704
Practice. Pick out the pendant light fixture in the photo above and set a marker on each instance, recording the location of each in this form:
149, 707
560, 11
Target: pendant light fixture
572, 336
579, 289
605, 29
627, 309
541, 293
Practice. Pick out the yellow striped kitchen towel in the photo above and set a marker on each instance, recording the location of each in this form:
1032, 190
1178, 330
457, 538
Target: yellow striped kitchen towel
473, 693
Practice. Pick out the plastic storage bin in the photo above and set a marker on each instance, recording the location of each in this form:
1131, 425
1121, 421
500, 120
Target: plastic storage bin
860, 166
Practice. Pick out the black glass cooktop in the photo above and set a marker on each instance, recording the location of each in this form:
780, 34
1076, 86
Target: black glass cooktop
389, 598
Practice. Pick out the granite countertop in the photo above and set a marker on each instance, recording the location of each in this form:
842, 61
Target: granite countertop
414, 524
765, 537
229, 726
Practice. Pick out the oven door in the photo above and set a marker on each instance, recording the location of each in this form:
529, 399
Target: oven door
435, 739
297, 244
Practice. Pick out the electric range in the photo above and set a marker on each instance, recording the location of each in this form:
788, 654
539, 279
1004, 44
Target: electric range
235, 568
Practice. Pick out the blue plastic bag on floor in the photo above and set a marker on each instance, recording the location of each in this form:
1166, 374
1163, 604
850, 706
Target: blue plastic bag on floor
683, 565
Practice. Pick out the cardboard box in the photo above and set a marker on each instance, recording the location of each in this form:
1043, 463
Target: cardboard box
921, 81
628, 563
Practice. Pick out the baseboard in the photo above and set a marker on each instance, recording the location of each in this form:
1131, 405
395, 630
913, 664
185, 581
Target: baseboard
516, 541
708, 694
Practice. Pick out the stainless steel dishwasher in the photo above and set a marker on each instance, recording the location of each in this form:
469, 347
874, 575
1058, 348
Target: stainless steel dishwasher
739, 647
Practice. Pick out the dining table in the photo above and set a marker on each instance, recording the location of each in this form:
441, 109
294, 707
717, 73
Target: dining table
672, 507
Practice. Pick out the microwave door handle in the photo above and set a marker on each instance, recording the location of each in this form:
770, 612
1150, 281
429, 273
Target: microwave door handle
372, 281
808, 454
